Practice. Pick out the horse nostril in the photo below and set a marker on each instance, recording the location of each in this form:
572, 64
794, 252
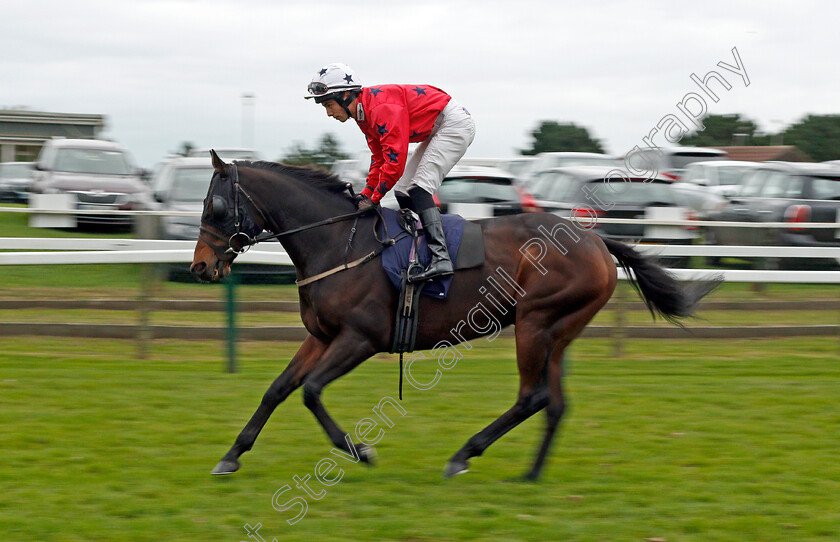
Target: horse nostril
198, 268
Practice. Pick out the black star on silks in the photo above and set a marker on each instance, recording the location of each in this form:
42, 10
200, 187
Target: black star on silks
381, 128
374, 91
415, 133
419, 91
392, 156
382, 188
348, 78
323, 71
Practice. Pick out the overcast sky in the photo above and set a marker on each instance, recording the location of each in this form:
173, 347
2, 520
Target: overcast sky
164, 71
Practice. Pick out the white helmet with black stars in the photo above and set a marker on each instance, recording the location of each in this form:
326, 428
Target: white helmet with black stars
332, 81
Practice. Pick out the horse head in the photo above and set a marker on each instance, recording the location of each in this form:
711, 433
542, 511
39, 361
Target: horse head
227, 225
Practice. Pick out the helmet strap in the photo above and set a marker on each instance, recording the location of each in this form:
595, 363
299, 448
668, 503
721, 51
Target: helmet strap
345, 101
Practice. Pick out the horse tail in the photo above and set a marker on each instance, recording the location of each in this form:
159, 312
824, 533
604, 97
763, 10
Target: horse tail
661, 292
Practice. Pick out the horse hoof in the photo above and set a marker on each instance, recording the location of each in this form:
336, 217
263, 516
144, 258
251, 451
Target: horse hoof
367, 454
454, 468
530, 476
226, 467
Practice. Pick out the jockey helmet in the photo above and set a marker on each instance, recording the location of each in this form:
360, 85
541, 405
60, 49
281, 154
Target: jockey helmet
332, 81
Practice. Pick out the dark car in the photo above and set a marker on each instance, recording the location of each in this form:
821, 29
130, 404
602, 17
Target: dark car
478, 192
15, 180
791, 192
592, 193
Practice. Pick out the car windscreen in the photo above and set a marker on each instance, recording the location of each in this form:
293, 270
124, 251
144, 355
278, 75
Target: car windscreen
825, 188
15, 171
518, 167
729, 176
477, 189
97, 161
190, 184
681, 159
553, 186
633, 193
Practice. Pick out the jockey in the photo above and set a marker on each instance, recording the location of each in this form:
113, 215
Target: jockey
391, 117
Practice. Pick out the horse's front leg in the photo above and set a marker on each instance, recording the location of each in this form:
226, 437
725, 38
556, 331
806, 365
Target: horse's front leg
344, 353
289, 380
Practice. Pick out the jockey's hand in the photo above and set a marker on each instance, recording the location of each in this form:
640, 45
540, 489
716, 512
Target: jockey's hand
365, 203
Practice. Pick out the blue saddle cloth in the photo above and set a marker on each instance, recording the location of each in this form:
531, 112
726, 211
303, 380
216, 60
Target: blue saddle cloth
396, 258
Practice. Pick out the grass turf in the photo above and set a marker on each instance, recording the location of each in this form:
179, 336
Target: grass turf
679, 440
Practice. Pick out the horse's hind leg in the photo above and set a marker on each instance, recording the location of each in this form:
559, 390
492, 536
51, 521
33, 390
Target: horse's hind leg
562, 332
532, 351
553, 411
288, 381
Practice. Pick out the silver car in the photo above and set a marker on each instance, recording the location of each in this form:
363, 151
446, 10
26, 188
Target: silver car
15, 180
100, 174
706, 186
669, 161
179, 187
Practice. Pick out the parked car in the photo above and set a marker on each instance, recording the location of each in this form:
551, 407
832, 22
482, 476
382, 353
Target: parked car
591, 193
353, 170
15, 180
545, 161
791, 192
179, 187
669, 162
518, 167
477, 161
100, 174
478, 192
706, 186
226, 153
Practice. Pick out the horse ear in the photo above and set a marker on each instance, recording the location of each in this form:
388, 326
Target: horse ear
218, 164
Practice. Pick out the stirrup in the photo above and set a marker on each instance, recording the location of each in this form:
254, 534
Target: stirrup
415, 279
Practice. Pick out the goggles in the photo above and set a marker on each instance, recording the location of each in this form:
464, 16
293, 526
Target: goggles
317, 88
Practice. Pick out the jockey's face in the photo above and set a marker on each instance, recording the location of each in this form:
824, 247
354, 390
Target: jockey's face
335, 111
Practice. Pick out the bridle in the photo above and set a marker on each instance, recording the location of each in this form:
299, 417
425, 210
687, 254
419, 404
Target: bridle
228, 254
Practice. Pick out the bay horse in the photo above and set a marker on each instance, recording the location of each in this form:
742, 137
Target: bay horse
549, 277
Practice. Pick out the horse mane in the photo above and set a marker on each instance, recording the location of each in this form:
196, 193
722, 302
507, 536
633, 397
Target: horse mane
317, 178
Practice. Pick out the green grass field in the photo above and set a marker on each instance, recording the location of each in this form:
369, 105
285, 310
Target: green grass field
679, 441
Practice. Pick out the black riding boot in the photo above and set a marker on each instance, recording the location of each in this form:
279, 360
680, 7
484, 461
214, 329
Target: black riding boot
441, 265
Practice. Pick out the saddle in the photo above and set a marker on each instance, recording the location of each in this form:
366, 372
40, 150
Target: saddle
466, 251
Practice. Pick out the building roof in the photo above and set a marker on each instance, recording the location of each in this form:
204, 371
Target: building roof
28, 116
756, 153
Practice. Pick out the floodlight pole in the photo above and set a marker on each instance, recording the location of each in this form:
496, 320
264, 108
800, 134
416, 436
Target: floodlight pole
248, 106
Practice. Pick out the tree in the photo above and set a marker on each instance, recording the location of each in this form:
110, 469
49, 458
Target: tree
818, 136
725, 130
186, 147
327, 152
553, 136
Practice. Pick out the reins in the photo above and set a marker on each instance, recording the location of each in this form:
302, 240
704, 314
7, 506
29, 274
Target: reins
386, 242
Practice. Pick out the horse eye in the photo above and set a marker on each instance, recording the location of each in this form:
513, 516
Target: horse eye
219, 206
